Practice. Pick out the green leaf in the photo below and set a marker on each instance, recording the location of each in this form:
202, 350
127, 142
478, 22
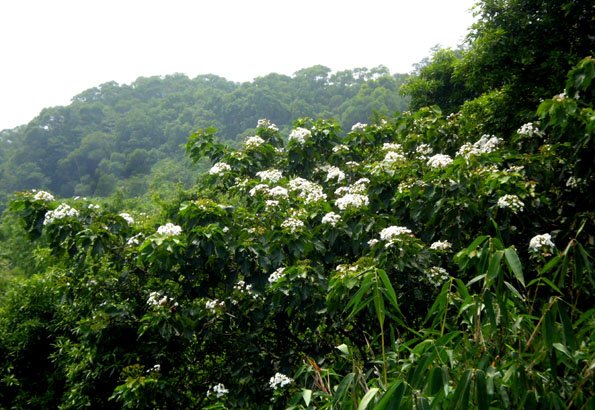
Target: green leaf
481, 391
393, 396
307, 396
514, 264
363, 404
343, 349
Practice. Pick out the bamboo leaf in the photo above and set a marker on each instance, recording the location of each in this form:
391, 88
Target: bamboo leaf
363, 404
393, 396
481, 391
514, 264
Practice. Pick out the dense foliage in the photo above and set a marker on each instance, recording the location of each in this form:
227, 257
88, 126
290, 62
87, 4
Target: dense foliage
410, 264
128, 137
426, 259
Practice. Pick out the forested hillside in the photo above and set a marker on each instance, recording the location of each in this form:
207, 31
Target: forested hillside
436, 258
130, 136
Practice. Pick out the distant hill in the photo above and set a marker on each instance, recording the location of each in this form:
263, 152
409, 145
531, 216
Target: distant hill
127, 137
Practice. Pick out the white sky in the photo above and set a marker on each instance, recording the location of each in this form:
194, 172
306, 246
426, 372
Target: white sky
51, 50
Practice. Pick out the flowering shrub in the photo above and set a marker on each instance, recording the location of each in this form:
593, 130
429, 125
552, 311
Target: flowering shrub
355, 267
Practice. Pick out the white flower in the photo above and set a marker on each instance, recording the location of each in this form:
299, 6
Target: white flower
423, 149
62, 211
271, 203
169, 229
309, 191
276, 275
299, 135
511, 201
158, 299
93, 206
437, 275
212, 305
219, 390
134, 240
272, 175
573, 182
279, 380
392, 157
43, 196
340, 147
335, 173
264, 123
358, 126
292, 224
392, 233
156, 369
278, 192
529, 129
331, 218
372, 242
439, 161
129, 220
541, 243
441, 246
219, 168
352, 201
253, 142
258, 189
485, 145
389, 146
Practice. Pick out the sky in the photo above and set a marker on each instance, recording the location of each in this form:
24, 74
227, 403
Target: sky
51, 51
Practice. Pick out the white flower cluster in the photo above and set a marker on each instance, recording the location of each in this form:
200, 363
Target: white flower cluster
253, 142
154, 369
331, 218
310, 191
134, 240
347, 270
292, 224
407, 185
260, 188
373, 242
276, 275
358, 126
358, 187
93, 206
512, 202
169, 229
541, 243
485, 145
441, 246
392, 233
126, 216
573, 182
335, 173
529, 129
43, 196
437, 275
270, 204
272, 175
393, 157
439, 161
279, 380
244, 288
299, 135
219, 168
158, 299
264, 123
212, 305
62, 211
340, 148
389, 146
352, 164
353, 201
278, 192
218, 390
423, 150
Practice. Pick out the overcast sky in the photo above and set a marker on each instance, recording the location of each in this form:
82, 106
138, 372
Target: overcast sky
51, 50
